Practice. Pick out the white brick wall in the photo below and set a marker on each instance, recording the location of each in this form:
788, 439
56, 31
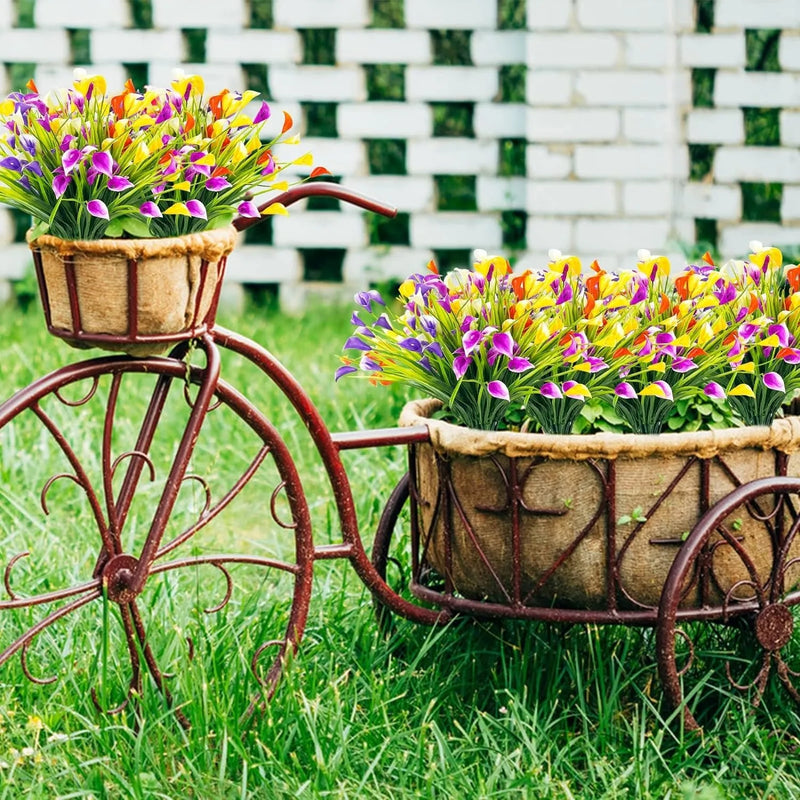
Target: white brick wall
606, 123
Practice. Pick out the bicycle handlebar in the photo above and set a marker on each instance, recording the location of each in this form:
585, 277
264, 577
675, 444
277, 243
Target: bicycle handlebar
319, 189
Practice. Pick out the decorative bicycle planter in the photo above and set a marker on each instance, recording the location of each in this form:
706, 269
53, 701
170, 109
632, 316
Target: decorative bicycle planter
727, 553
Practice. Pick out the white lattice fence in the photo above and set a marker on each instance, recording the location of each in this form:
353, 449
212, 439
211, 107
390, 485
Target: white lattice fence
594, 126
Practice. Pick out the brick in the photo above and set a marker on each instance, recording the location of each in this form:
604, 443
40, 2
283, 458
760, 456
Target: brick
451, 84
647, 198
500, 194
548, 88
572, 197
620, 236
492, 48
713, 50
683, 14
647, 126
649, 49
383, 263
80, 14
549, 15
451, 156
16, 259
734, 240
378, 46
149, 45
405, 192
715, 126
790, 127
572, 124
758, 89
456, 229
450, 14
499, 120
618, 88
203, 14
320, 13
320, 229
548, 162
252, 47
790, 204
710, 201
340, 156
623, 15
629, 161
264, 264
779, 164
53, 76
757, 14
384, 120
317, 83
22, 45
789, 51
215, 76
572, 50
544, 233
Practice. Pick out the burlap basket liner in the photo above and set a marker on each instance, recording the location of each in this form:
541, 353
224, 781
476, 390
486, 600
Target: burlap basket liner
168, 283
568, 475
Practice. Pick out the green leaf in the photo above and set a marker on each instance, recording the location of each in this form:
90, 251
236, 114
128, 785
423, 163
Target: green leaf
675, 423
136, 226
221, 219
625, 519
114, 229
39, 229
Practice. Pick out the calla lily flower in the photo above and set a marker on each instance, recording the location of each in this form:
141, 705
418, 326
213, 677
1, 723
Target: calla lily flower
498, 389
97, 208
741, 390
714, 390
551, 390
625, 391
772, 380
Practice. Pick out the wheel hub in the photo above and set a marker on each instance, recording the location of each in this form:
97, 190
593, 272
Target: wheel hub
118, 577
774, 626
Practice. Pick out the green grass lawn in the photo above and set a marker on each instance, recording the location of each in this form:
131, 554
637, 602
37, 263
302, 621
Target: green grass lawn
470, 710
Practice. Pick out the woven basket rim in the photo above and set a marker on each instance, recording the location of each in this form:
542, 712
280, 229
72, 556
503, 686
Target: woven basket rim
211, 244
448, 439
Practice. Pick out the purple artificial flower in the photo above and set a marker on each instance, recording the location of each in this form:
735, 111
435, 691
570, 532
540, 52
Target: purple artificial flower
366, 299
625, 391
103, 163
471, 340
641, 288
565, 295
665, 388
714, 390
435, 348
790, 355
549, 389
70, 160
34, 167
164, 114
383, 322
596, 364
460, 366
780, 330
119, 183
357, 321
725, 293
354, 343
425, 363
248, 208
498, 389
466, 323
429, 324
503, 343
345, 369
196, 209
412, 344
150, 209
217, 184
683, 365
519, 364
9, 162
365, 331
60, 183
748, 330
368, 364
773, 381
97, 208
263, 113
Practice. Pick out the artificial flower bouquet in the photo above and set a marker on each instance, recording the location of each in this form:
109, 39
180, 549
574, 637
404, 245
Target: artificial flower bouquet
152, 163
494, 346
